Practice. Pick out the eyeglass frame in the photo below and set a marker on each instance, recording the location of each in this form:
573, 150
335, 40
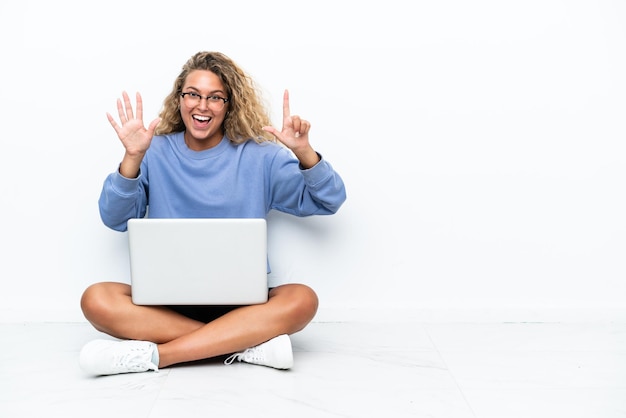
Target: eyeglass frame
200, 97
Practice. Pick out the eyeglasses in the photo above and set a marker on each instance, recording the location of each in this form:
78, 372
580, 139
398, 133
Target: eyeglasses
216, 103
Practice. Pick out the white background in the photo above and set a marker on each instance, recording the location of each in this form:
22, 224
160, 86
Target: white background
482, 144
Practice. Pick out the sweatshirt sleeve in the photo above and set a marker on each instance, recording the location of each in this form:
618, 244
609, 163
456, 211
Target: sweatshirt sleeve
122, 199
318, 190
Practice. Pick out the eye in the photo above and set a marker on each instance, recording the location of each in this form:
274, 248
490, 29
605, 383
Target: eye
194, 95
214, 98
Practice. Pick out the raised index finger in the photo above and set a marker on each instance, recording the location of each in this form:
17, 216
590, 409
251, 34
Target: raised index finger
286, 112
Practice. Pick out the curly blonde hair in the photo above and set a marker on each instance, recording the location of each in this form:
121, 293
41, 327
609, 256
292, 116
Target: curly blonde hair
247, 113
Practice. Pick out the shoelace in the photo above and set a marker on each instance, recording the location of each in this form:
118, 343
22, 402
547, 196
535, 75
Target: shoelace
246, 355
134, 360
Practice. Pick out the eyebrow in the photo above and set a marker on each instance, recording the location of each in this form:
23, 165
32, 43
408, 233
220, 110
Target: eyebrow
210, 93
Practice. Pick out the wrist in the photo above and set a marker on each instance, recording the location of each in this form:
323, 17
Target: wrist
309, 159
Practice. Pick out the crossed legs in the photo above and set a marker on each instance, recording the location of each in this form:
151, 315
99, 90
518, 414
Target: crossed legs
109, 308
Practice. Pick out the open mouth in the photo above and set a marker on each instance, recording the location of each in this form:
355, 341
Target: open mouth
201, 120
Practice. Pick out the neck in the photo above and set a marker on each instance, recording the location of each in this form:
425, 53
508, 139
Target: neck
196, 144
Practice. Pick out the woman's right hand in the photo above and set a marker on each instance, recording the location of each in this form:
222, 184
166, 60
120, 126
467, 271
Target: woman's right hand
133, 134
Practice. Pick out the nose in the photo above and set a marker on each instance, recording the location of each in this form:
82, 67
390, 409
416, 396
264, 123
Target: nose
204, 103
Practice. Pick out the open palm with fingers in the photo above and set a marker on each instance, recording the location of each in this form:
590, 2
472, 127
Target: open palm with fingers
135, 137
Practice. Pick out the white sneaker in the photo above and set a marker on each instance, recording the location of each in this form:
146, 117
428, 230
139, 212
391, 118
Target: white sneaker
274, 353
103, 357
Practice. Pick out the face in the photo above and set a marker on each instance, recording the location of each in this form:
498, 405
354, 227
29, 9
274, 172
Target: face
203, 117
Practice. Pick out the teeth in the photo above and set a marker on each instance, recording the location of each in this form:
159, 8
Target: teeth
201, 118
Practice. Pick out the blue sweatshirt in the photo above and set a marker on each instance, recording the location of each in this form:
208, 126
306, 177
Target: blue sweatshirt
226, 181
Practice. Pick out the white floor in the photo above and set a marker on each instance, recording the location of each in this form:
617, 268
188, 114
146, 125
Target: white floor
360, 370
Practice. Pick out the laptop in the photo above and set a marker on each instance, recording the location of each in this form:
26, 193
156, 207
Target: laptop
212, 261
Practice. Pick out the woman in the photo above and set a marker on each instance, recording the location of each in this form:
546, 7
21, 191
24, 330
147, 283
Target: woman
211, 153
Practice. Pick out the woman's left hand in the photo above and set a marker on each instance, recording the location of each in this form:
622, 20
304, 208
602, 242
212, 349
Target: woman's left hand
295, 135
